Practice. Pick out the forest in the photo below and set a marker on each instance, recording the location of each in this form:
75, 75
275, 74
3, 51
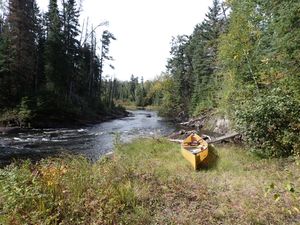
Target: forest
49, 68
240, 62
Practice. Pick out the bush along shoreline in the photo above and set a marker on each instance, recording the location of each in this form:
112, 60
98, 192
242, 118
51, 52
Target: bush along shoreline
57, 116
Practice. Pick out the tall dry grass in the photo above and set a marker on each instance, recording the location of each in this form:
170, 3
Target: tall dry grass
149, 182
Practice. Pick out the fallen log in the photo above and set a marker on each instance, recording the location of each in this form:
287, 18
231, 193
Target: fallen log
194, 123
223, 138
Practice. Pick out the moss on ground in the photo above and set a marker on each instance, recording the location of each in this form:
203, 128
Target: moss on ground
149, 182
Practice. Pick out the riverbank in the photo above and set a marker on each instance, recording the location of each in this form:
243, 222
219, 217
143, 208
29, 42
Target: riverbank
91, 141
11, 122
148, 182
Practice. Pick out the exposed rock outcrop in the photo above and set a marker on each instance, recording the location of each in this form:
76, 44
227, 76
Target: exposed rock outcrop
222, 125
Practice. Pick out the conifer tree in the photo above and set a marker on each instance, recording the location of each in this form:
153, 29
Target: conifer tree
180, 66
204, 50
39, 79
5, 77
107, 37
132, 87
71, 43
55, 59
22, 20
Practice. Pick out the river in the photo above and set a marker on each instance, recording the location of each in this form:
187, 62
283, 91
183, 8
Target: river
92, 141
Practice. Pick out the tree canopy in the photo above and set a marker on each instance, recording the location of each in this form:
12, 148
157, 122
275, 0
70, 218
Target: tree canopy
43, 66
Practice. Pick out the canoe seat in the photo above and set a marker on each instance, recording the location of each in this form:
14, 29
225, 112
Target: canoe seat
195, 151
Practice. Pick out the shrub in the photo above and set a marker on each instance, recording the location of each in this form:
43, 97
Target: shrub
21, 115
25, 113
202, 107
271, 124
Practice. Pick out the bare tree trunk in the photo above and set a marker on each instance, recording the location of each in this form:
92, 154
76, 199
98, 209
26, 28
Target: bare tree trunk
91, 75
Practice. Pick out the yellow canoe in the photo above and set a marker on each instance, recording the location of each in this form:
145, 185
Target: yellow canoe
195, 150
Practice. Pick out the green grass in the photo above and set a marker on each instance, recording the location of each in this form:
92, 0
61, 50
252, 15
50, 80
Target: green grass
148, 182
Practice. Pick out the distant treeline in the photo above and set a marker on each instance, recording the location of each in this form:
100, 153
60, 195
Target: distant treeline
48, 67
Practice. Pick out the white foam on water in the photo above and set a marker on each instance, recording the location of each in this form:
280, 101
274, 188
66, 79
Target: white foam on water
18, 139
81, 130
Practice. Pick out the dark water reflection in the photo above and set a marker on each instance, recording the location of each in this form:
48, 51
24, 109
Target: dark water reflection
92, 141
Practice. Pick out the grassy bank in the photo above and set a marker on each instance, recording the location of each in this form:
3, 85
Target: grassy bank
148, 182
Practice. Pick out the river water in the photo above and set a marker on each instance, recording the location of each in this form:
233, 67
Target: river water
92, 141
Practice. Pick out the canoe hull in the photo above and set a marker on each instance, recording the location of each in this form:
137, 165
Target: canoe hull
194, 159
196, 155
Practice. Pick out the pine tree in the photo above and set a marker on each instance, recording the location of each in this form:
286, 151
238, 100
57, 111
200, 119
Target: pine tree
107, 37
22, 20
204, 48
180, 67
55, 59
71, 43
42, 62
5, 76
39, 79
133, 87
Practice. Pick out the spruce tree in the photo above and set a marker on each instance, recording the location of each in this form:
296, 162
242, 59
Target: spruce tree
39, 79
107, 37
22, 20
5, 76
180, 67
204, 48
71, 43
133, 87
55, 59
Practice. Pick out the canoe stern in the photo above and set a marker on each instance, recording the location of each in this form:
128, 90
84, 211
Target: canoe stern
195, 159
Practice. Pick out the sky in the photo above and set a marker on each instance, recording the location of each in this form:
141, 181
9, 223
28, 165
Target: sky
144, 30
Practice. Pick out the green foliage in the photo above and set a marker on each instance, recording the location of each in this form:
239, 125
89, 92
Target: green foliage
22, 47
202, 107
133, 85
258, 61
43, 58
193, 65
22, 190
258, 51
140, 97
9, 118
204, 50
180, 68
146, 182
133, 93
271, 124
169, 98
55, 60
21, 115
25, 114
5, 75
141, 94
